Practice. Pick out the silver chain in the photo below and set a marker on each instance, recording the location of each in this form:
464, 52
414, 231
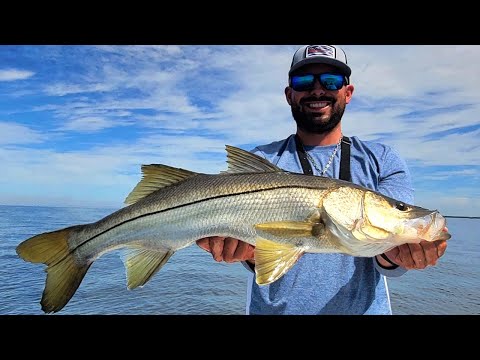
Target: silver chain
322, 172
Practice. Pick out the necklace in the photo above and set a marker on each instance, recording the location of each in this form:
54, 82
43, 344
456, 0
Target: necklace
314, 163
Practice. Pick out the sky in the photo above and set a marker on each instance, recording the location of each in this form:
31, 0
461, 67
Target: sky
77, 122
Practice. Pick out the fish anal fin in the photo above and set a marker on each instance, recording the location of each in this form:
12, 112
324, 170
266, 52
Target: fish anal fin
273, 260
155, 177
240, 161
141, 264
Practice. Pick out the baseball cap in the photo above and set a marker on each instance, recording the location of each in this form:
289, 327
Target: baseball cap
320, 54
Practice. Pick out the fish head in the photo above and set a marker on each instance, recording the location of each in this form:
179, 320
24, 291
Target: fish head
371, 217
404, 223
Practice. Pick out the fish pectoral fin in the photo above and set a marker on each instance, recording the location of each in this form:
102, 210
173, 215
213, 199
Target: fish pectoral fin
289, 229
141, 264
273, 260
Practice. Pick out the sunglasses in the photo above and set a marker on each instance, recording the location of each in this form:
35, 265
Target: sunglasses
306, 82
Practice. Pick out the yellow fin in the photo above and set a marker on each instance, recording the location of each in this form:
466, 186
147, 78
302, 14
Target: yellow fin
240, 161
288, 229
64, 274
142, 264
273, 260
156, 176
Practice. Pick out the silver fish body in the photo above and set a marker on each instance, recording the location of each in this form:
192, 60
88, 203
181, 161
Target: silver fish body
282, 214
207, 205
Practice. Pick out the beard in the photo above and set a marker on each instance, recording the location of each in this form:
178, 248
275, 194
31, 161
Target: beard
307, 123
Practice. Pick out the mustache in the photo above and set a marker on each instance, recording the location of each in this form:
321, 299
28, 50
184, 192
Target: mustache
317, 98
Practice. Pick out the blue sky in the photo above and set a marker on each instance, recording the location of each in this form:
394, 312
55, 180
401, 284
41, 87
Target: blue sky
76, 122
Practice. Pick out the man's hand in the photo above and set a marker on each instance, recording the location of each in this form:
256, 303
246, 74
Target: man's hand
227, 249
417, 256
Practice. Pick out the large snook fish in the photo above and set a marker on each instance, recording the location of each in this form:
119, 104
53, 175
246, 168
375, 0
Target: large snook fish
283, 214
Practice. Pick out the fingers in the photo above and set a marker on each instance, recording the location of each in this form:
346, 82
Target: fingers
430, 251
441, 246
393, 255
419, 255
204, 244
216, 247
236, 250
405, 257
227, 249
244, 251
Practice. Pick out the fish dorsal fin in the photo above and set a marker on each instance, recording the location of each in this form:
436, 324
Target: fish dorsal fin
273, 260
142, 264
241, 161
156, 176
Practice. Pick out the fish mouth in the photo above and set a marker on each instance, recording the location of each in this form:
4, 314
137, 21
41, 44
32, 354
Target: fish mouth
432, 227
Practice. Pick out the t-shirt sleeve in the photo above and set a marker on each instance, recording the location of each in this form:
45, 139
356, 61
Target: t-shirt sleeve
395, 180
398, 271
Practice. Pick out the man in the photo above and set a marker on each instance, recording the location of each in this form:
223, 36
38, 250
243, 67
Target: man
318, 91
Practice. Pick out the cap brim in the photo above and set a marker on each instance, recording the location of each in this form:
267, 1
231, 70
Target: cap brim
344, 68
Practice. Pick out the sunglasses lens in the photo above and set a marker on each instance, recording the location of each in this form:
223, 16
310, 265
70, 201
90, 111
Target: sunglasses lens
302, 82
307, 82
331, 81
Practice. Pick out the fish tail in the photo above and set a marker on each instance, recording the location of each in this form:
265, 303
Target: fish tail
64, 272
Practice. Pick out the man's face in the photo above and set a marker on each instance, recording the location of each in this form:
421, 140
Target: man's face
318, 110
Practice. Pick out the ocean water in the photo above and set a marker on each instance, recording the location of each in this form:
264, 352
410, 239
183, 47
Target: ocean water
191, 283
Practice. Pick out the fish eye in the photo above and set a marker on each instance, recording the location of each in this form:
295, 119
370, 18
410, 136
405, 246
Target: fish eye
401, 206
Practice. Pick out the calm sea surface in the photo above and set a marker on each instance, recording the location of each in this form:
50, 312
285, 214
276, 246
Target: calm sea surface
192, 283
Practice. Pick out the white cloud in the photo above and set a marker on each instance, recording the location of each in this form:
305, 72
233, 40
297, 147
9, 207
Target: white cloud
443, 175
61, 89
15, 134
90, 124
15, 74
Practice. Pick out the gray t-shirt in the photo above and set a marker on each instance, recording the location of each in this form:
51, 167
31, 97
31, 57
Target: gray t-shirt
334, 283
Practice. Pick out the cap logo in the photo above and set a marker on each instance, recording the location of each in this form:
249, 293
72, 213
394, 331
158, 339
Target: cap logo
320, 50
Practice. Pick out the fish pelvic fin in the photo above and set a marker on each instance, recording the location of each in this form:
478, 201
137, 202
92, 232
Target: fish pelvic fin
64, 273
155, 177
273, 260
142, 264
241, 161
